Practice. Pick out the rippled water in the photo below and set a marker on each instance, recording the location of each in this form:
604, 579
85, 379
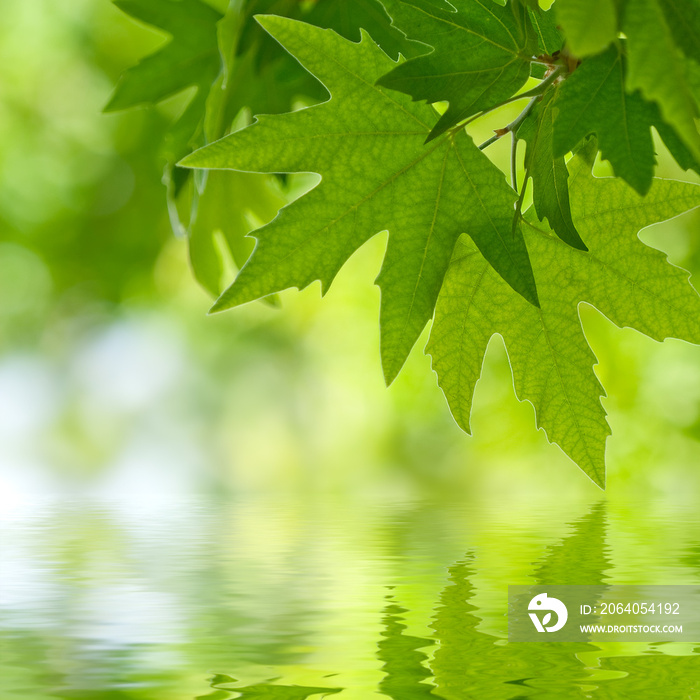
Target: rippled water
304, 598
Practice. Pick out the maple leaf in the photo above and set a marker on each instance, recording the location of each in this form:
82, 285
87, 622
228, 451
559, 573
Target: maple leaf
227, 203
481, 55
629, 282
252, 62
549, 174
191, 58
261, 76
593, 100
590, 25
658, 68
683, 19
549, 39
218, 210
368, 145
676, 146
347, 16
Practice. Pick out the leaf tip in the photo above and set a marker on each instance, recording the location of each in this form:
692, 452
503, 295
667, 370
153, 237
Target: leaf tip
385, 81
271, 22
116, 102
529, 293
223, 303
391, 366
592, 465
109, 108
193, 160
439, 129
598, 478
462, 418
216, 308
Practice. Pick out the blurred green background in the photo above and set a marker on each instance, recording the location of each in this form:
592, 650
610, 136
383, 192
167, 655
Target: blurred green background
235, 505
114, 380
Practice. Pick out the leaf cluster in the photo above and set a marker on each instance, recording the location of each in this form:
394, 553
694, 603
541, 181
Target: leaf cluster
230, 70
400, 80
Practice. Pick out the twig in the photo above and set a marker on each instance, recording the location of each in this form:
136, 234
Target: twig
488, 142
513, 126
535, 92
519, 206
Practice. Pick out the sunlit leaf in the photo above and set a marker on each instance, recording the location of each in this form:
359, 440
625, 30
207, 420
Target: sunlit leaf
480, 55
190, 58
549, 174
683, 19
377, 174
658, 68
590, 26
549, 38
629, 282
229, 206
593, 101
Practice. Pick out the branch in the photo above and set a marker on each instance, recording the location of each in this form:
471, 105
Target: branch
519, 206
513, 126
537, 91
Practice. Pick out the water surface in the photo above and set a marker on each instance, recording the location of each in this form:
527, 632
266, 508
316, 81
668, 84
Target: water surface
291, 598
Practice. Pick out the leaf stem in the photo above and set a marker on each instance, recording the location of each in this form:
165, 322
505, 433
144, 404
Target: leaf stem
488, 142
519, 206
513, 126
537, 91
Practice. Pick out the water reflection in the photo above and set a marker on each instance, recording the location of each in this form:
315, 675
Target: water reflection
581, 558
271, 692
219, 601
471, 663
404, 664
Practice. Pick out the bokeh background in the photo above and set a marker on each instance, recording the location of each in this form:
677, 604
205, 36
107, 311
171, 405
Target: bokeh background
236, 505
113, 379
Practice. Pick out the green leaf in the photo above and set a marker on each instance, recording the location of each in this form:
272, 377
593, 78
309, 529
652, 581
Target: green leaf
549, 174
659, 70
347, 16
481, 55
229, 204
264, 78
632, 284
674, 143
532, 5
191, 58
593, 101
259, 76
549, 39
367, 143
683, 18
590, 26
693, 73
